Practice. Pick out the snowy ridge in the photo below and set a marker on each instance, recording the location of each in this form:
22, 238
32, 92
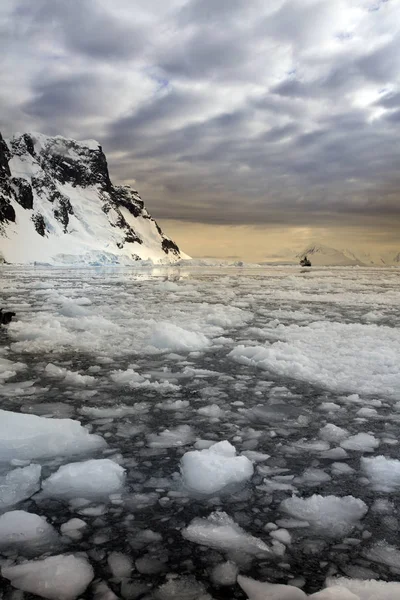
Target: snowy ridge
58, 206
327, 256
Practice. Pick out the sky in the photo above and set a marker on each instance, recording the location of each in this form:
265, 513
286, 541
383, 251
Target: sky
250, 127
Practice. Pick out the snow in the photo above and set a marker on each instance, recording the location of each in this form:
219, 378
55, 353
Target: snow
211, 470
92, 479
220, 531
61, 577
28, 436
93, 234
329, 515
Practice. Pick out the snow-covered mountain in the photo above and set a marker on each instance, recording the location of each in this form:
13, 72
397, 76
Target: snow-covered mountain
58, 206
325, 256
321, 255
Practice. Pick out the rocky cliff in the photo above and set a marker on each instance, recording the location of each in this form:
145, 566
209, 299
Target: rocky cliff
58, 206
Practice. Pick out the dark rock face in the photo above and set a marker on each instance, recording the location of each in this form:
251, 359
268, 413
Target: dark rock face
23, 192
40, 224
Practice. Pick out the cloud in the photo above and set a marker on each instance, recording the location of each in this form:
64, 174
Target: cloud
228, 112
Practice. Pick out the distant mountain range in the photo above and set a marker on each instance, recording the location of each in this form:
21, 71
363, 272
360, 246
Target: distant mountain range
321, 255
59, 206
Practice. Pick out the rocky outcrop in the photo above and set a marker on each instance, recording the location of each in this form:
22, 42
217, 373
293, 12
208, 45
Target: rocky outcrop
58, 192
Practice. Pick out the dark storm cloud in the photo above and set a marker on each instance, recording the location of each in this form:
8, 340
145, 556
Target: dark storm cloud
228, 111
63, 97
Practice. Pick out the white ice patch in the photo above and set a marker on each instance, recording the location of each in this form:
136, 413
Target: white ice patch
120, 564
383, 473
26, 532
213, 411
225, 573
384, 554
73, 528
28, 436
90, 479
257, 590
337, 356
221, 532
363, 442
61, 577
9, 369
333, 433
167, 336
134, 380
209, 471
69, 377
18, 485
170, 438
329, 515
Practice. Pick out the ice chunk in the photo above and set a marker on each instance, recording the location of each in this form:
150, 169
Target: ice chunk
69, 377
332, 433
366, 364
220, 531
364, 442
26, 532
383, 473
185, 588
329, 515
282, 535
169, 438
257, 590
120, 564
73, 528
213, 410
167, 336
384, 554
209, 471
225, 573
336, 593
366, 589
28, 436
18, 485
61, 577
92, 479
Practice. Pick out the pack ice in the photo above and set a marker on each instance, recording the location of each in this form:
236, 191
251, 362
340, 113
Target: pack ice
210, 470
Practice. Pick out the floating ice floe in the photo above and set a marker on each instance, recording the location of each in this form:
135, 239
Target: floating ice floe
364, 442
366, 363
220, 531
169, 438
120, 564
25, 436
331, 515
339, 588
69, 377
209, 471
29, 534
19, 484
167, 336
91, 479
383, 473
61, 577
